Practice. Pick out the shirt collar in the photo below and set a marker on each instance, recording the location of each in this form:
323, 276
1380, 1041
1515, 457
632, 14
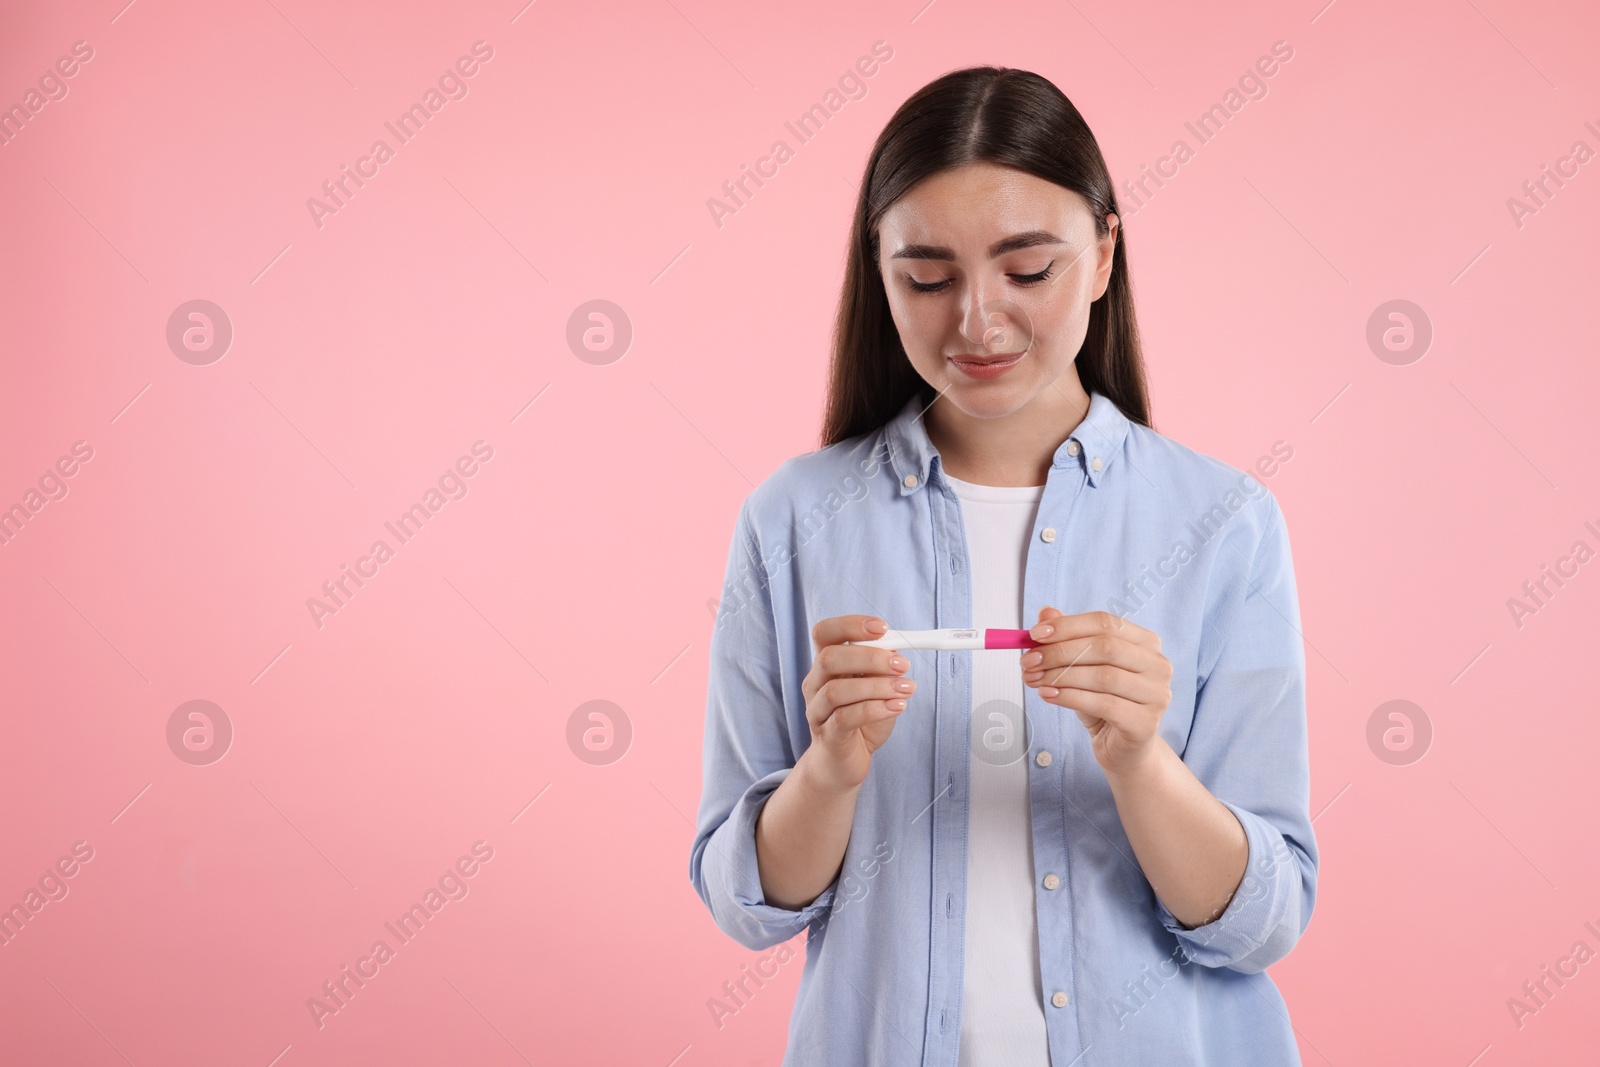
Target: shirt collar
1092, 448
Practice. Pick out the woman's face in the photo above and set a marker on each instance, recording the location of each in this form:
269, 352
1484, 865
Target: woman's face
988, 261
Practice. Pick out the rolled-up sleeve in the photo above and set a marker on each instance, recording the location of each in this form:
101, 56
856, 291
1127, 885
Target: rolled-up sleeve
746, 755
1248, 746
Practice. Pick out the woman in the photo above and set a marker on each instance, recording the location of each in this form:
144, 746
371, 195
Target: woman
1086, 853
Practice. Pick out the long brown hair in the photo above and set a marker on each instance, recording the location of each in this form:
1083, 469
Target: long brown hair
981, 114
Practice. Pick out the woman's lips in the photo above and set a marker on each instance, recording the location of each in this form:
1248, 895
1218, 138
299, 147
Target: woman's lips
986, 367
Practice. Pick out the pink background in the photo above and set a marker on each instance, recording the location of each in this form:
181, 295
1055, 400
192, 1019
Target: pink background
371, 352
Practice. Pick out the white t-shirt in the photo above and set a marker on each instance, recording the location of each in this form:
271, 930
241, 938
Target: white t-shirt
1002, 1002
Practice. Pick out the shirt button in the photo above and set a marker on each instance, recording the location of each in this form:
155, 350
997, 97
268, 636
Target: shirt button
911, 481
1047, 534
1096, 463
1042, 759
1059, 999
1072, 448
1052, 882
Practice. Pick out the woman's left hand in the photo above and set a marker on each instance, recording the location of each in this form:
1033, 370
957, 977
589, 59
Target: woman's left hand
1111, 673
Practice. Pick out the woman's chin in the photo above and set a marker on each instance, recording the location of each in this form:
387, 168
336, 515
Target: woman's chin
989, 400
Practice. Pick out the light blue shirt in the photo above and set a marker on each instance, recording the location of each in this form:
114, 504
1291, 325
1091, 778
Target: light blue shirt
1131, 523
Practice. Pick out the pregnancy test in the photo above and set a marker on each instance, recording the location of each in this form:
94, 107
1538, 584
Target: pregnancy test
951, 640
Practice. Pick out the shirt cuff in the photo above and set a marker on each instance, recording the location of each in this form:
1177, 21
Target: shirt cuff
1263, 920
733, 877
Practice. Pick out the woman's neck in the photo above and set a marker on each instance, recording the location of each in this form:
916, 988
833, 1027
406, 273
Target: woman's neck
1008, 450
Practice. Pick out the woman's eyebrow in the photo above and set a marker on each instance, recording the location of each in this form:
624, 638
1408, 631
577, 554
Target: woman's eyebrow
999, 248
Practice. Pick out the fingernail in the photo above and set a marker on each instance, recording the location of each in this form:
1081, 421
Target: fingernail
897, 705
877, 626
1043, 631
899, 663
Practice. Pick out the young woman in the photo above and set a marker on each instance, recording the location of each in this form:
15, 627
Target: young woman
1083, 853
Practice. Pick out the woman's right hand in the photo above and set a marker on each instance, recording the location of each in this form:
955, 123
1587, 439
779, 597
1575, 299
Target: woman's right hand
853, 696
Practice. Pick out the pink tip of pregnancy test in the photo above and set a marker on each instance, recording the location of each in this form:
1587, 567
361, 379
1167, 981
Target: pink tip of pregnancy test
1008, 639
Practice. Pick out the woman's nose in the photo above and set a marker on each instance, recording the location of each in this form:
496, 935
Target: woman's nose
976, 316
990, 323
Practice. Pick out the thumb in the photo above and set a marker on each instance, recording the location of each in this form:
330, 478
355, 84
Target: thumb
1047, 613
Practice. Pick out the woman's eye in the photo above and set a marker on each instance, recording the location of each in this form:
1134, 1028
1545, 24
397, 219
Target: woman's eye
1020, 279
1035, 279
